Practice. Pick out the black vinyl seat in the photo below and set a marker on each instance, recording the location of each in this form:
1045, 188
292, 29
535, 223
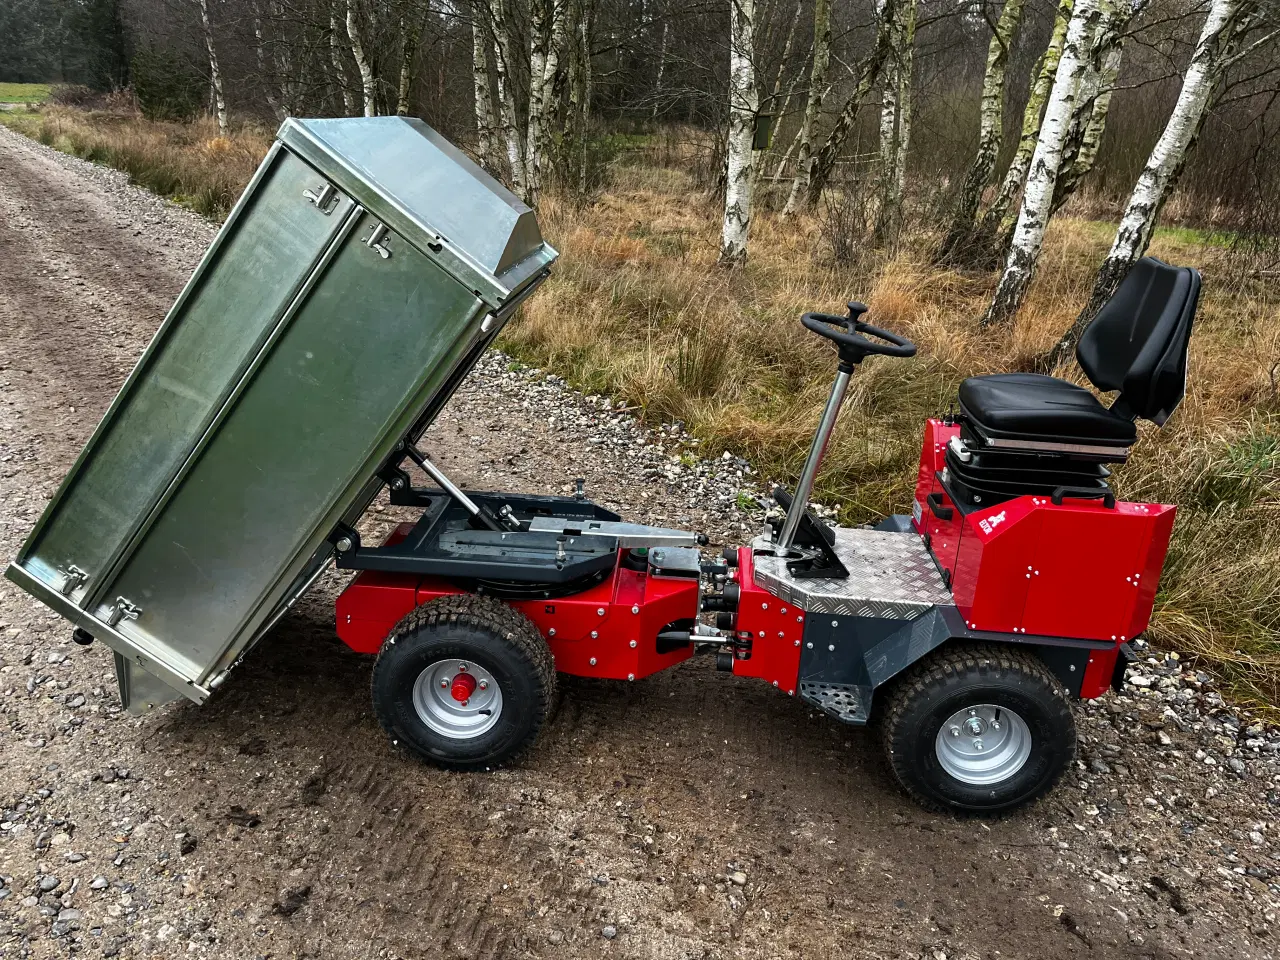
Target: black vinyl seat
1022, 405
1136, 345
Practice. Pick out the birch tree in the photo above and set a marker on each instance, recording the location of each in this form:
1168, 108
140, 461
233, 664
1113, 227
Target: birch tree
411, 24
1093, 106
895, 122
817, 88
368, 88
818, 170
260, 54
505, 52
1037, 198
485, 122
547, 45
993, 220
1163, 165
215, 73
743, 104
578, 115
339, 68
990, 133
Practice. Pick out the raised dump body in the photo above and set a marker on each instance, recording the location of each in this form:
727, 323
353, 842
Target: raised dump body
364, 270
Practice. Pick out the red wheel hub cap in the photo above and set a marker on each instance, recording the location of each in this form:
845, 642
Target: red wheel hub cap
464, 684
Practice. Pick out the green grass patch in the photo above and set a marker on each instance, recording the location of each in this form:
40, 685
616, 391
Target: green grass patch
24, 92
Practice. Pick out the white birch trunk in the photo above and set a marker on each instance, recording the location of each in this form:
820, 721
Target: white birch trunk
1094, 104
215, 74
339, 68
990, 134
895, 122
505, 56
823, 160
544, 64
261, 55
662, 67
1037, 198
817, 88
905, 103
743, 105
994, 218
1165, 163
363, 64
410, 36
485, 123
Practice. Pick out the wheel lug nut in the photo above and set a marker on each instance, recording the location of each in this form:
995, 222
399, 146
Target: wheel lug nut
484, 684
977, 745
444, 684
955, 731
468, 700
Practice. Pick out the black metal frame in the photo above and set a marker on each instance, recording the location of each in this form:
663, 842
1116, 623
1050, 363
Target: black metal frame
446, 541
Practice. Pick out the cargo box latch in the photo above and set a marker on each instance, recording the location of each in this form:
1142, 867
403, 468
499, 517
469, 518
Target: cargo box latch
72, 577
323, 197
378, 241
123, 610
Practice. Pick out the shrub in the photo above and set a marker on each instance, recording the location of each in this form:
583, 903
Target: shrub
167, 86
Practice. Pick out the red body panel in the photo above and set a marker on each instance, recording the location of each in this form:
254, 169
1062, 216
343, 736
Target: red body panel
944, 535
1077, 569
775, 628
598, 623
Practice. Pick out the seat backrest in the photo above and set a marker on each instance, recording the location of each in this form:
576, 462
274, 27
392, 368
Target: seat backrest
1137, 344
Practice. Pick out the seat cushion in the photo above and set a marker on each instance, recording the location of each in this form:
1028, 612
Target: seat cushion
1028, 406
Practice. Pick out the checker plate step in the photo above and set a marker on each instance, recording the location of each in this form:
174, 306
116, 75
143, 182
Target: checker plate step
846, 702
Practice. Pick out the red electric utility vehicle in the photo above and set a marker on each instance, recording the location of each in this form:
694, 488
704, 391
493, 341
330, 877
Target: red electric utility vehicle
965, 629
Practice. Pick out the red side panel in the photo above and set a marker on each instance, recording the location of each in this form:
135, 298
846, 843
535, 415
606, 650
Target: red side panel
1082, 583
933, 457
615, 623
1076, 569
993, 565
1147, 580
775, 628
1098, 672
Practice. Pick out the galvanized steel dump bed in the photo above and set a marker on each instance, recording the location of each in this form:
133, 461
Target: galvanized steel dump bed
365, 269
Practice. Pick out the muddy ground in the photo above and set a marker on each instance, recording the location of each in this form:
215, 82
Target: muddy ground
276, 821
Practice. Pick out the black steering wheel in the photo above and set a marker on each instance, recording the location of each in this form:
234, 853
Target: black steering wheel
847, 334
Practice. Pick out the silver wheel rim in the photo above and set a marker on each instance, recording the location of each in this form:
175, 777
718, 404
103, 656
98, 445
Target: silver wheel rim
983, 744
444, 713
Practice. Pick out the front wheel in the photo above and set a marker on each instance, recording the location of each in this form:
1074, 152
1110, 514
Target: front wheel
979, 729
464, 682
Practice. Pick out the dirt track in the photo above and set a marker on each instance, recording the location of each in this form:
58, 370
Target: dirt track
277, 822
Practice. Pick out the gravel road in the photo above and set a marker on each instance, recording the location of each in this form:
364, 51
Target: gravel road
690, 815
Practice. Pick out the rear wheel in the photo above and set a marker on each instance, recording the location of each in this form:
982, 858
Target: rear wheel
464, 682
978, 729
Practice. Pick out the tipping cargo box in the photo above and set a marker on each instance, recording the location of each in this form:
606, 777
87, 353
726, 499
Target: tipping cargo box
365, 268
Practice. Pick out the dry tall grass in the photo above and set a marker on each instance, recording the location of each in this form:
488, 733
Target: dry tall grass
187, 162
636, 309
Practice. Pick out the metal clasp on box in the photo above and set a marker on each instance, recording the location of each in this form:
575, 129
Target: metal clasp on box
123, 610
72, 577
323, 197
378, 240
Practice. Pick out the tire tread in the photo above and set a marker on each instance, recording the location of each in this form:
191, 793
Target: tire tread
929, 675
